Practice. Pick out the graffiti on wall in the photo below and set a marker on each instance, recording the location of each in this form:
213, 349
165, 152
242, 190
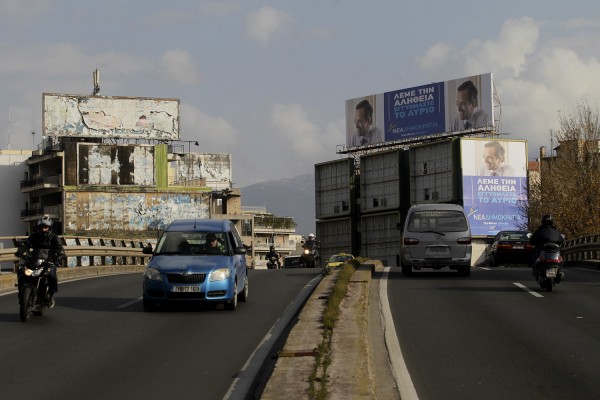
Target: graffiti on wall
103, 211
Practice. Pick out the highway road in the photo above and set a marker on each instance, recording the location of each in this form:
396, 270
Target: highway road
496, 335
98, 343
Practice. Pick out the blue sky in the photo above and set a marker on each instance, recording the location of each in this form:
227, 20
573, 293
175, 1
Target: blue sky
266, 80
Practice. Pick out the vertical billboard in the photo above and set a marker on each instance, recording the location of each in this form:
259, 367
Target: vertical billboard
450, 106
494, 178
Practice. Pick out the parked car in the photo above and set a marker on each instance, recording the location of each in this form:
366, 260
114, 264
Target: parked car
338, 259
510, 247
436, 236
293, 262
197, 260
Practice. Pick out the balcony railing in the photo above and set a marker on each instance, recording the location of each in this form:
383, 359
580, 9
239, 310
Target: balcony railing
41, 182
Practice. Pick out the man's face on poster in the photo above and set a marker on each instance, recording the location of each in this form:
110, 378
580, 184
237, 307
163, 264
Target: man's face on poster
465, 108
491, 159
361, 122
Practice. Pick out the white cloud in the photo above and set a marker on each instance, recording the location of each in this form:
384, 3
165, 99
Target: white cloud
266, 22
214, 134
535, 75
435, 55
177, 65
507, 54
306, 142
23, 12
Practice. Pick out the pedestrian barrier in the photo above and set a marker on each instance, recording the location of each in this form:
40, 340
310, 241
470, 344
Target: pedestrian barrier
87, 252
583, 248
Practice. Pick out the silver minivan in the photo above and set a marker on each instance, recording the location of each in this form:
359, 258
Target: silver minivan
436, 236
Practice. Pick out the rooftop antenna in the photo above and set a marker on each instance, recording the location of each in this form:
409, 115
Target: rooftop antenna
96, 77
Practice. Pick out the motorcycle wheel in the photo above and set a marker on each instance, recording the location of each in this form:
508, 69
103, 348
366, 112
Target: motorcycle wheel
549, 284
26, 303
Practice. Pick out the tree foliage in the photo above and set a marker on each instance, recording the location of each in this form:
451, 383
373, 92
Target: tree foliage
569, 186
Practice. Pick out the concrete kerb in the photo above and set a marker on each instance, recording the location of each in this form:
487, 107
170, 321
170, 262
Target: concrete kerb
350, 373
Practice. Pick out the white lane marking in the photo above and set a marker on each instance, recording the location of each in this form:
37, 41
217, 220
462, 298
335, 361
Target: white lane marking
403, 380
525, 288
130, 303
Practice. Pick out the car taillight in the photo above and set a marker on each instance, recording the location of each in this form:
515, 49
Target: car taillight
464, 240
504, 246
410, 241
528, 247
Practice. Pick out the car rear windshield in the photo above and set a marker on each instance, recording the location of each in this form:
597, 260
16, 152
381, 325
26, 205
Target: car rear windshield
437, 221
514, 236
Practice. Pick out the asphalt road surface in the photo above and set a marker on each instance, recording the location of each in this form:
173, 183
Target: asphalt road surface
98, 343
497, 335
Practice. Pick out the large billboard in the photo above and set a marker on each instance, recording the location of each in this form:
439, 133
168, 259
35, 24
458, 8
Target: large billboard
494, 178
110, 117
450, 106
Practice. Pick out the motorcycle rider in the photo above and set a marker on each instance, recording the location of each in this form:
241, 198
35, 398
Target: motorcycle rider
312, 243
545, 233
273, 253
47, 245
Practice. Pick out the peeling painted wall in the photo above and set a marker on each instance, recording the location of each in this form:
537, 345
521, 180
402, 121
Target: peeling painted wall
214, 169
103, 211
115, 165
102, 116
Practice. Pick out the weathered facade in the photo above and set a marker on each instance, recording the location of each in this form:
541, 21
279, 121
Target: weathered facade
95, 188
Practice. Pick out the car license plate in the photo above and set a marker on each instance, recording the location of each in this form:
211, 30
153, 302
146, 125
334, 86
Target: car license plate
438, 250
186, 288
518, 247
551, 272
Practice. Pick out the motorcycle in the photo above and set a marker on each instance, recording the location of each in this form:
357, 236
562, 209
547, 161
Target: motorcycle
273, 263
548, 266
310, 254
34, 296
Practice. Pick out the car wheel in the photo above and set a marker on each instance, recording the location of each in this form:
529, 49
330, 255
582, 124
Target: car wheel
231, 305
150, 305
243, 296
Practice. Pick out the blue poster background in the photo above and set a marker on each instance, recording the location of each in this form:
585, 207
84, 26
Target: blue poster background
414, 112
491, 203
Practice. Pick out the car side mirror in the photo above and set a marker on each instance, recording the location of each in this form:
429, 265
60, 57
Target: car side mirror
147, 249
239, 250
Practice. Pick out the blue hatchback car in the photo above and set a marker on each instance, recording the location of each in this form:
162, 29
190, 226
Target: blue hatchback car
197, 260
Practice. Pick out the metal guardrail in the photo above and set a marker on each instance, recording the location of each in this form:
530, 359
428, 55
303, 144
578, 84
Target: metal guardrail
84, 252
583, 248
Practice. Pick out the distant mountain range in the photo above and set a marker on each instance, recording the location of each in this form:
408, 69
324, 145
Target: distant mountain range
289, 197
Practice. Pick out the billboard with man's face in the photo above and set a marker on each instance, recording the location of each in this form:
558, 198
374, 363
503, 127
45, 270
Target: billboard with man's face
450, 106
494, 178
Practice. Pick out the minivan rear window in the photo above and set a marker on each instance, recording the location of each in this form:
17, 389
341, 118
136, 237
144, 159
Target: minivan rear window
438, 221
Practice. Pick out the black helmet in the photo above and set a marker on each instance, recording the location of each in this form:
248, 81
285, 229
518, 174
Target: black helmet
272, 247
547, 220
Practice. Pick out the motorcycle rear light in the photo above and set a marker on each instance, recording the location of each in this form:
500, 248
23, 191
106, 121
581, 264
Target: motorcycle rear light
465, 240
410, 241
552, 260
